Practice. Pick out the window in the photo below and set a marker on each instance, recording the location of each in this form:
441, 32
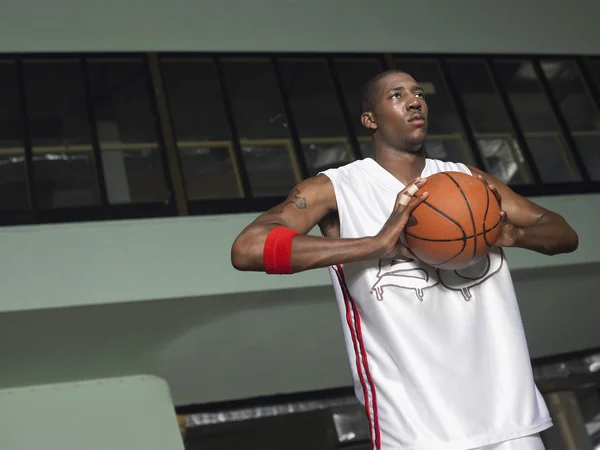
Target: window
317, 113
353, 73
13, 187
578, 108
445, 138
203, 137
489, 121
65, 173
248, 127
549, 150
127, 131
262, 126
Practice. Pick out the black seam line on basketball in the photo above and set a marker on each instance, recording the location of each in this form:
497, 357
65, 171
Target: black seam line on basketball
470, 211
487, 208
441, 263
464, 241
455, 239
443, 214
485, 230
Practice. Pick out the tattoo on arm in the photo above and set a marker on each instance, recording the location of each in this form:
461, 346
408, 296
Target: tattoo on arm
293, 199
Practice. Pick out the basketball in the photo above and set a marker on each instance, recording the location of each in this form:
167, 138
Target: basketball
457, 225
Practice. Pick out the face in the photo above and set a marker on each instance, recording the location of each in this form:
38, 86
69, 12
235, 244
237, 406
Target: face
400, 114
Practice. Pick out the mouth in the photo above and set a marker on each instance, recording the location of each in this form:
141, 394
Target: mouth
417, 119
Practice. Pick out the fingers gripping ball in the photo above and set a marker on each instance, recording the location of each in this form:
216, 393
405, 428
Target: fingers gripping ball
457, 225
408, 194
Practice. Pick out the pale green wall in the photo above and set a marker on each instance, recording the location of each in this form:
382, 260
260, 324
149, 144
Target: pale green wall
509, 26
134, 413
105, 262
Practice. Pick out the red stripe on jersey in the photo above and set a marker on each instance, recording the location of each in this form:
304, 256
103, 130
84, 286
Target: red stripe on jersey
365, 360
350, 323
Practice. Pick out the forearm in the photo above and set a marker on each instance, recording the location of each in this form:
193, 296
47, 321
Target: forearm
550, 236
313, 252
308, 252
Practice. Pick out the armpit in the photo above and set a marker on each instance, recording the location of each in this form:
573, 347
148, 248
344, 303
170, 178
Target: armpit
330, 225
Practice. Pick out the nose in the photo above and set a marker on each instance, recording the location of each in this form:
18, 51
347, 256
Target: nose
414, 104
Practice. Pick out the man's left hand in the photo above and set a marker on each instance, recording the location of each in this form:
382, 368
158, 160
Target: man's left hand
526, 224
509, 233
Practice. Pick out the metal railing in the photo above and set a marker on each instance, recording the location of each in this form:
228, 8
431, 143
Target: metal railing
505, 172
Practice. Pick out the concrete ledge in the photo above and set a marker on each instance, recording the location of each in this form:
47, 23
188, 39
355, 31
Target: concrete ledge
132, 413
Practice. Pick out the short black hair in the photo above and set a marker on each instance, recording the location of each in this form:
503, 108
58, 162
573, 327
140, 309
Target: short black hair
371, 88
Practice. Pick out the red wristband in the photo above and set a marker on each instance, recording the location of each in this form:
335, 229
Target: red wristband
277, 252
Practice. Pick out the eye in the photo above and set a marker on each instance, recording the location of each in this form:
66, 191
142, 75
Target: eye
420, 94
395, 95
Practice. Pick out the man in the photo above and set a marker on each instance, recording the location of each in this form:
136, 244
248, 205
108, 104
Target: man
439, 358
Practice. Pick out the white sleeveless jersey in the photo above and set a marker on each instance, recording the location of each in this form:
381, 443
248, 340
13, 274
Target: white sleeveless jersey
439, 358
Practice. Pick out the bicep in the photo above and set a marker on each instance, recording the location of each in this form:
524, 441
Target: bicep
307, 204
521, 212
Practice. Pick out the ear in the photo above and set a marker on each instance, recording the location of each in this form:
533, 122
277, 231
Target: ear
368, 120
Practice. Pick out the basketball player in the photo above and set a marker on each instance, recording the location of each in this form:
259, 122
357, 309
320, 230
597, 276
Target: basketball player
439, 358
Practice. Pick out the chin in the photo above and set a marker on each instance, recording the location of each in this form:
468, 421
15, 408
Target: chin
417, 139
417, 148
417, 145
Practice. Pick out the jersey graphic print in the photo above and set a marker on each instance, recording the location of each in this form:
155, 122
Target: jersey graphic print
404, 274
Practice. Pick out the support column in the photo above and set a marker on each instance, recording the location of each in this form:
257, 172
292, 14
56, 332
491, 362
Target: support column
568, 432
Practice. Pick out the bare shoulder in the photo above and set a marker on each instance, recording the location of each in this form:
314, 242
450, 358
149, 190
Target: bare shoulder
314, 191
306, 205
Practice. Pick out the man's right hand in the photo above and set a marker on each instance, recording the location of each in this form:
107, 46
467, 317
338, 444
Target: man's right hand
389, 237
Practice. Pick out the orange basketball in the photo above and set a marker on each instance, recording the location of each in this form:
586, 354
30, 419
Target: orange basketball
457, 225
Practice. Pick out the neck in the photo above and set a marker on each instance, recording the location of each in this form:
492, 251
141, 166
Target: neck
404, 165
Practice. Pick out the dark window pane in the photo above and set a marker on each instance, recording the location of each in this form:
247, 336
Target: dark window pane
550, 151
127, 131
489, 121
551, 158
13, 183
353, 73
64, 167
201, 129
569, 89
449, 148
262, 126
578, 109
595, 67
317, 113
588, 146
445, 138
208, 170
